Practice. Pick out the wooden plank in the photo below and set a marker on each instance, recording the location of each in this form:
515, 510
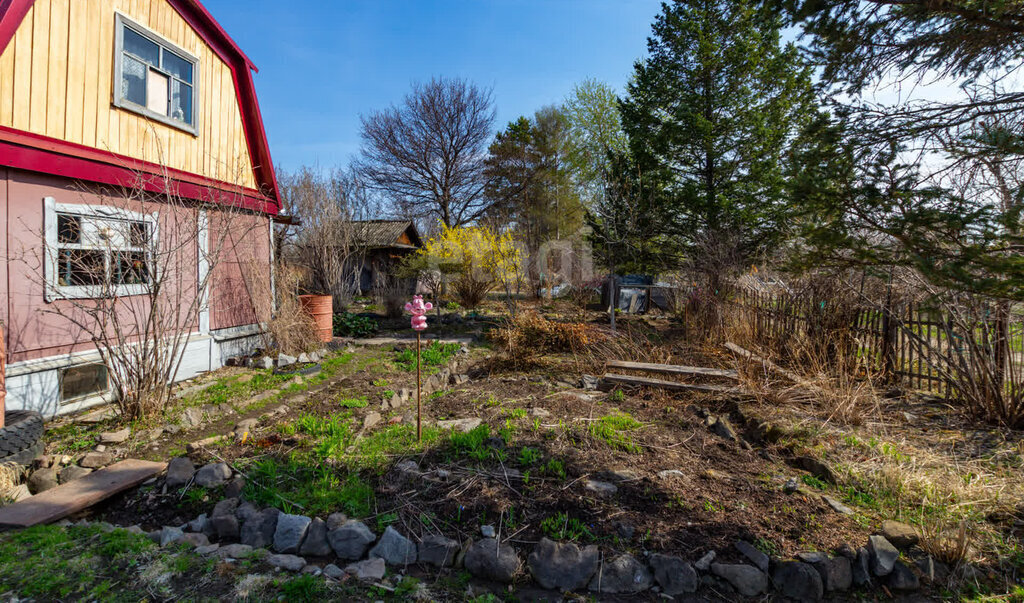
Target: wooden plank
80, 494
768, 363
673, 369
673, 385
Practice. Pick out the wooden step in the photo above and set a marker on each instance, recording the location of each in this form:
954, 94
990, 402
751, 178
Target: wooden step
673, 369
611, 378
72, 497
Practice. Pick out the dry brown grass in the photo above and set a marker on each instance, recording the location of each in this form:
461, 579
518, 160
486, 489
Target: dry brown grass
290, 330
10, 478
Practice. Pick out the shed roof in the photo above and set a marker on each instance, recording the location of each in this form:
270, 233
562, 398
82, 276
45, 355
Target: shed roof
387, 233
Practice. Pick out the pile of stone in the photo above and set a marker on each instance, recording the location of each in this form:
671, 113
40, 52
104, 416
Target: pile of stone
237, 529
284, 360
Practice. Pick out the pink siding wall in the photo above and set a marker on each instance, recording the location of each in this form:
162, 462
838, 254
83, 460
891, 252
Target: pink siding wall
34, 331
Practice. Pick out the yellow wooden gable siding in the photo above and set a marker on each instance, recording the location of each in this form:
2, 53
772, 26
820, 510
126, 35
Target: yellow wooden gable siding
56, 79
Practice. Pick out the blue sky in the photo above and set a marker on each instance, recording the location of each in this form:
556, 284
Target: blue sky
324, 63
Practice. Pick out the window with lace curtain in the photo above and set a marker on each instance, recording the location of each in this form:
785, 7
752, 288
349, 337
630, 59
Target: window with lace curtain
154, 77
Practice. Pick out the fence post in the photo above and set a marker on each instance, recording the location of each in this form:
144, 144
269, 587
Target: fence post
1002, 347
888, 341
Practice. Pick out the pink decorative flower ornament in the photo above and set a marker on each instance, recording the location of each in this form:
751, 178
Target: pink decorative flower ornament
418, 308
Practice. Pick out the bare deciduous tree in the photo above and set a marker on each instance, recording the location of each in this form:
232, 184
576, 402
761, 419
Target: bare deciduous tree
328, 241
428, 153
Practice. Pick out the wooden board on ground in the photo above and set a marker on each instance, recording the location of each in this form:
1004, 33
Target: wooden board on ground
612, 378
65, 499
768, 363
673, 369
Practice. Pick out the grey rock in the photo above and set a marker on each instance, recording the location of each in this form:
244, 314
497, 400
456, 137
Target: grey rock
671, 474
311, 569
285, 360
266, 362
746, 579
562, 565
704, 563
192, 417
42, 480
623, 574
246, 425
259, 530
589, 382
170, 534
370, 570
234, 551
213, 475
817, 468
394, 548
303, 358
837, 506
234, 487
336, 520
100, 448
95, 460
371, 419
351, 540
673, 575
462, 425
812, 557
791, 485
492, 561
883, 555
199, 523
600, 488
226, 527
208, 549
838, 574
315, 543
291, 563
228, 506
862, 567
333, 572
847, 551
438, 551
115, 437
290, 531
73, 472
753, 555
798, 581
721, 427
196, 539
487, 531
899, 534
902, 578
246, 511
931, 570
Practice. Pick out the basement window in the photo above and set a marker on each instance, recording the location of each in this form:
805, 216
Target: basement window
97, 251
154, 77
82, 381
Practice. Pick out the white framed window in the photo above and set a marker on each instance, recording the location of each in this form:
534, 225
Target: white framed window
154, 77
95, 251
82, 381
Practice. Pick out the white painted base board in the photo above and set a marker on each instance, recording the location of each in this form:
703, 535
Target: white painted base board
35, 384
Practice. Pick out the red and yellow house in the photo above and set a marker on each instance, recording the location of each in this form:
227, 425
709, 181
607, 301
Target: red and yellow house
102, 96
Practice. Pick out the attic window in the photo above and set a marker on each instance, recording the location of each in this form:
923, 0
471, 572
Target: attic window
154, 77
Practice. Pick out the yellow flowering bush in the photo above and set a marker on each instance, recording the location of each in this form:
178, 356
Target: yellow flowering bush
476, 260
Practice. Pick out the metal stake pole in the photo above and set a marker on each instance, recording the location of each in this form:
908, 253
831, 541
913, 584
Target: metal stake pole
419, 428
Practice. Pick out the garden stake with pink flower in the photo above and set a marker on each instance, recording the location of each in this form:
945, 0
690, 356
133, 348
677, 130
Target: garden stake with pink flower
419, 311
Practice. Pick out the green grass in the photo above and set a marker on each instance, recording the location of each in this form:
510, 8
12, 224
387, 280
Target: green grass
303, 589
614, 430
529, 456
299, 485
84, 563
433, 355
377, 449
471, 443
562, 527
353, 402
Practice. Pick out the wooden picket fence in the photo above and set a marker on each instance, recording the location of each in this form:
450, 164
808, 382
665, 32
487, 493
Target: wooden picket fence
894, 341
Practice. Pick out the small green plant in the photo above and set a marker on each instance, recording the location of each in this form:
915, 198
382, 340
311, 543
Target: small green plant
452, 306
471, 443
517, 413
614, 429
347, 324
712, 506
814, 482
353, 403
388, 394
303, 589
554, 468
386, 519
617, 396
380, 382
562, 527
528, 456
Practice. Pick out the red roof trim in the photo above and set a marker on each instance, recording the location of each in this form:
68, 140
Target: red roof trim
97, 167
12, 12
